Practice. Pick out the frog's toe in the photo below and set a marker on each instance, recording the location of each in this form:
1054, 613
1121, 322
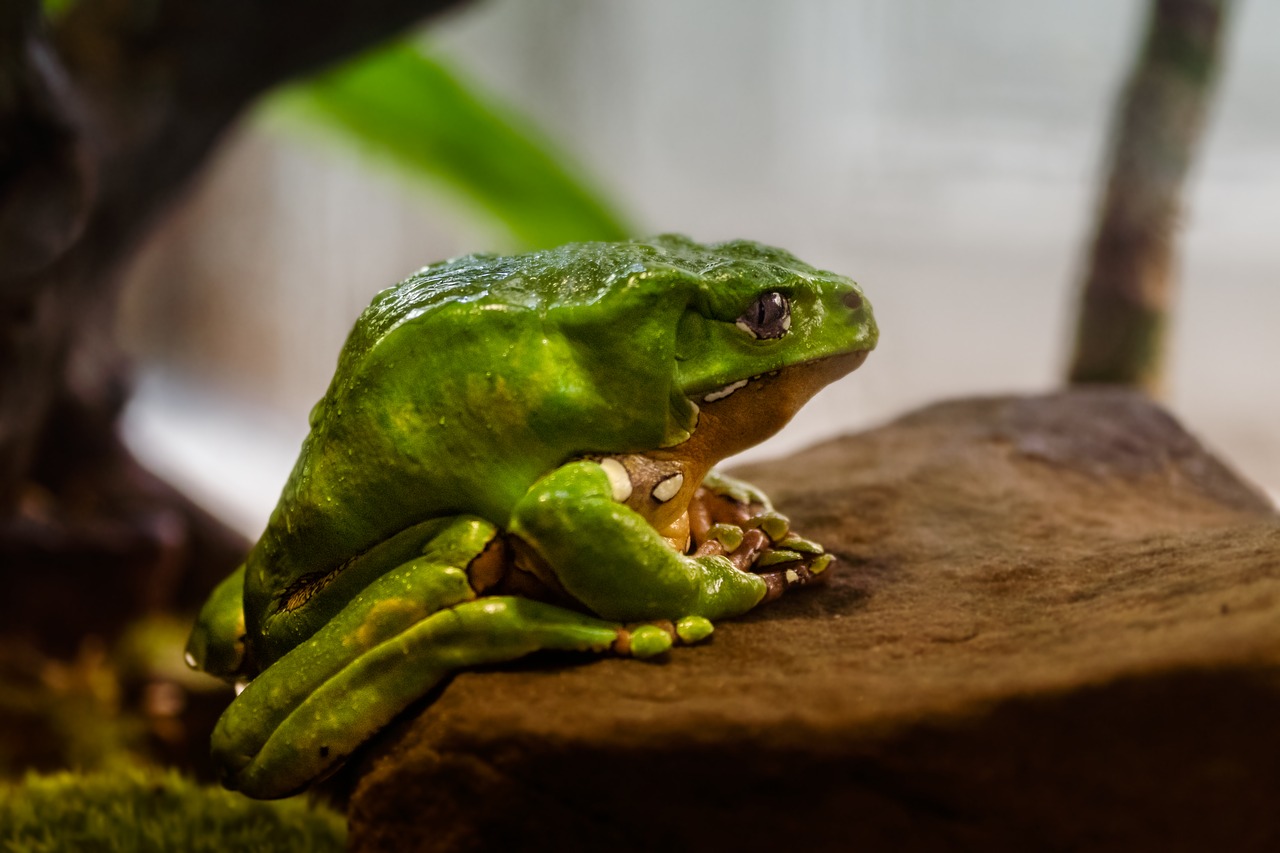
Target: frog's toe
693, 629
644, 641
797, 572
649, 640
775, 525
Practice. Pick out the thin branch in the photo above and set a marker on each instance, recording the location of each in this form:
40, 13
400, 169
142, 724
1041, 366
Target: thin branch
96, 139
103, 123
1128, 285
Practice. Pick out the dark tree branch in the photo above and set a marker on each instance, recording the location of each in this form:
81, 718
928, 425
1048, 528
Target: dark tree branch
102, 124
1128, 283
44, 188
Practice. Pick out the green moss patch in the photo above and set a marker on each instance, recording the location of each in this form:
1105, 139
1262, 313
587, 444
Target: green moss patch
149, 810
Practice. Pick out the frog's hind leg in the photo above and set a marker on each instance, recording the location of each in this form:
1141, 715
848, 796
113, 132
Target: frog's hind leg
354, 703
407, 632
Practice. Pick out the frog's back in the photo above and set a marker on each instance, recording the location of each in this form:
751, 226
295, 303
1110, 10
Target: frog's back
565, 278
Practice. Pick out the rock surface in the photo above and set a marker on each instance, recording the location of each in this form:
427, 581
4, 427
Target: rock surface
1055, 625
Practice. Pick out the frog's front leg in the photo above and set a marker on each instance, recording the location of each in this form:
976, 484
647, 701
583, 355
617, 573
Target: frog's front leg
606, 555
403, 634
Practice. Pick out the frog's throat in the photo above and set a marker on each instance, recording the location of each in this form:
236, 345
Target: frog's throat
745, 413
730, 420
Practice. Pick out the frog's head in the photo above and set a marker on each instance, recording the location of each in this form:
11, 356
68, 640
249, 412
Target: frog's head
695, 338
763, 332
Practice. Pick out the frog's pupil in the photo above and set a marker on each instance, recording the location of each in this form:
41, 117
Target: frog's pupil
768, 316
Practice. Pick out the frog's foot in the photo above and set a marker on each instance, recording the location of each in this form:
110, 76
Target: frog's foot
646, 639
735, 490
740, 524
409, 631
796, 574
712, 510
784, 565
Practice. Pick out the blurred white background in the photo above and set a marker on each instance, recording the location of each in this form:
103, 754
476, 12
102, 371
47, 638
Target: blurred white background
944, 154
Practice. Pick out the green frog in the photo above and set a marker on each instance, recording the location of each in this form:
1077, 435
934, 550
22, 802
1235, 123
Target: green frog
515, 454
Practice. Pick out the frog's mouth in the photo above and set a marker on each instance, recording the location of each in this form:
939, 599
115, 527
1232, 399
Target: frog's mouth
745, 412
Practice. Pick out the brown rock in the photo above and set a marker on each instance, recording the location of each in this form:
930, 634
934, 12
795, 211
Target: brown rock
1056, 625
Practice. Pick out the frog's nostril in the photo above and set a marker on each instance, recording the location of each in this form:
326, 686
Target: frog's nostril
852, 300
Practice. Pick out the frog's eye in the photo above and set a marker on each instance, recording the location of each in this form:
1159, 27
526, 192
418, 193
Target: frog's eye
768, 317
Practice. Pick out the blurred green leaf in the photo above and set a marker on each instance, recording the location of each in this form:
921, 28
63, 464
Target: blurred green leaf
55, 10
406, 106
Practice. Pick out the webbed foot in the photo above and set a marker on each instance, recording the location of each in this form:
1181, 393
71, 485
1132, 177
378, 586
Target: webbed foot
733, 519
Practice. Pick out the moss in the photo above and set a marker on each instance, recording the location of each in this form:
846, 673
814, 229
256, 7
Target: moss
151, 810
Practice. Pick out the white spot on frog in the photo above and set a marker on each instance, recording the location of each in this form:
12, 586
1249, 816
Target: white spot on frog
668, 488
725, 391
619, 479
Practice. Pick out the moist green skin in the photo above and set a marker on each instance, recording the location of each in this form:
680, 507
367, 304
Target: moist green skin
473, 399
